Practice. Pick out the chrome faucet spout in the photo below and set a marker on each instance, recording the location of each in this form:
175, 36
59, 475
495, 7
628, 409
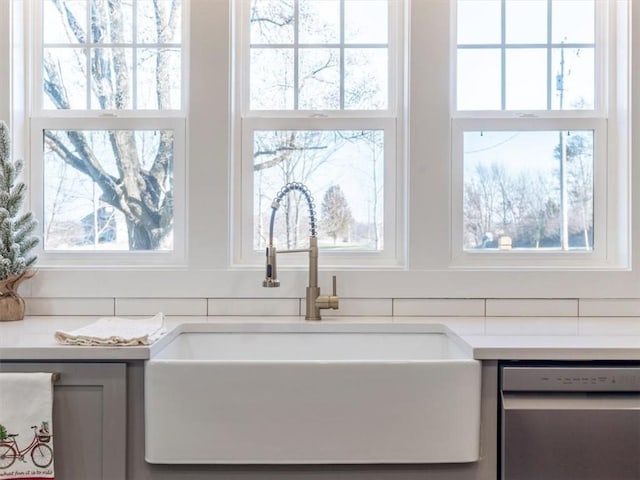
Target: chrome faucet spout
271, 277
315, 301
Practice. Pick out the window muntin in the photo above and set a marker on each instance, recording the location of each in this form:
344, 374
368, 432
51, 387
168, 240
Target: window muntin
536, 54
110, 182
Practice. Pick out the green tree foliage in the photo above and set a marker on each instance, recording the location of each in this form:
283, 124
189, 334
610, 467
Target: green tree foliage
3, 433
16, 227
336, 214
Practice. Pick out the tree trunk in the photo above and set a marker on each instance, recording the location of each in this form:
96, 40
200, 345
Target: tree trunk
140, 238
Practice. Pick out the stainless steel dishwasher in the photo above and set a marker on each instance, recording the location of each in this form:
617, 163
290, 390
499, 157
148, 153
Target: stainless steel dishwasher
570, 421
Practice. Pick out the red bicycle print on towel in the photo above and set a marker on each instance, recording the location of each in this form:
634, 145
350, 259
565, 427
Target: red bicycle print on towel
41, 453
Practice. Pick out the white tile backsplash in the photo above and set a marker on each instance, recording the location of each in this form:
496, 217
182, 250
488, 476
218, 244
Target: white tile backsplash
531, 326
254, 306
438, 307
358, 307
460, 325
604, 326
168, 306
609, 307
464, 316
70, 306
531, 307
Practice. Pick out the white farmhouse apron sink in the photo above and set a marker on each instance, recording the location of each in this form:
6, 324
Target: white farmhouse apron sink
312, 393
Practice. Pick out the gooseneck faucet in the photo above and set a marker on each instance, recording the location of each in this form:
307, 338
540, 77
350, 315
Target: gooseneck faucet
315, 301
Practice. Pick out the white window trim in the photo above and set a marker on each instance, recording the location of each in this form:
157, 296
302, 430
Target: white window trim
598, 257
213, 142
242, 69
249, 121
610, 246
44, 119
176, 256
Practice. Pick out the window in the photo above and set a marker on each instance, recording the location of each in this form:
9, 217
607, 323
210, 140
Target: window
401, 116
107, 128
530, 130
318, 106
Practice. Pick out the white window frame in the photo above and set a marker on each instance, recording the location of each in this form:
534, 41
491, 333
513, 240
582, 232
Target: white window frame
611, 231
389, 121
48, 119
423, 196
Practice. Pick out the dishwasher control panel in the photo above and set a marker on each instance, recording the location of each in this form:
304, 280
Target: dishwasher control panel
581, 379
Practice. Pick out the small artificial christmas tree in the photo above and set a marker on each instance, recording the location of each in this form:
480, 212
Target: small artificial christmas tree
16, 228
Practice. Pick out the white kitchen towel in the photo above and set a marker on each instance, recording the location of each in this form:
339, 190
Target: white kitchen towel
26, 431
115, 331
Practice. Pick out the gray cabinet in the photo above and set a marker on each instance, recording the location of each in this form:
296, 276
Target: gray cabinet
89, 418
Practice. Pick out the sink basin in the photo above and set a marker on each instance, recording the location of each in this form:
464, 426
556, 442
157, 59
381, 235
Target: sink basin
312, 393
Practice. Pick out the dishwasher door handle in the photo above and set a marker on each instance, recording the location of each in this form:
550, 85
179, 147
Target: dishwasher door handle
570, 401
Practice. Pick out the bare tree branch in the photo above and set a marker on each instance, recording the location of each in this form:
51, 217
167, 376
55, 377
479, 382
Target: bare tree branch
62, 7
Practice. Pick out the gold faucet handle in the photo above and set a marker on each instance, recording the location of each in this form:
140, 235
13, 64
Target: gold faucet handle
329, 301
334, 300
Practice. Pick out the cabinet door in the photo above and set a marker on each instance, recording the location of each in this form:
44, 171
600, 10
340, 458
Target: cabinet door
89, 418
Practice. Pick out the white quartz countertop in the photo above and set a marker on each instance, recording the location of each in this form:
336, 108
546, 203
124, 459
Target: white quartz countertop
512, 338
555, 347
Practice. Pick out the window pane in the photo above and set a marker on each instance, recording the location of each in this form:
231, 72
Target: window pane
526, 21
64, 78
111, 23
366, 21
573, 21
479, 79
344, 171
479, 21
272, 80
319, 21
513, 190
56, 28
108, 190
526, 79
158, 21
115, 91
319, 79
366, 82
271, 21
159, 65
574, 73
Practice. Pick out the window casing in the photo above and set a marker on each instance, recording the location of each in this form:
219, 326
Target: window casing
571, 225
320, 99
107, 130
426, 189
